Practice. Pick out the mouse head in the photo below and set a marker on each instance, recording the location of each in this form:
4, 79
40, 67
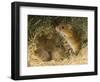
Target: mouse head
64, 28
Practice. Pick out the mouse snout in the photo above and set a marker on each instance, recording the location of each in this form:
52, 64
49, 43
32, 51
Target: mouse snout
57, 29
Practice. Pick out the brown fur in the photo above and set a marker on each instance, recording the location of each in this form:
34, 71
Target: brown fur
67, 31
43, 54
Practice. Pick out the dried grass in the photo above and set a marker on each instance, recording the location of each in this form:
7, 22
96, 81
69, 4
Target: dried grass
81, 58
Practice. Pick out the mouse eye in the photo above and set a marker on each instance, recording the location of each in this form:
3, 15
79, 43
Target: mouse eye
62, 27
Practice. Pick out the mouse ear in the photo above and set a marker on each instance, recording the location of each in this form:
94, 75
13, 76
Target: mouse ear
69, 26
